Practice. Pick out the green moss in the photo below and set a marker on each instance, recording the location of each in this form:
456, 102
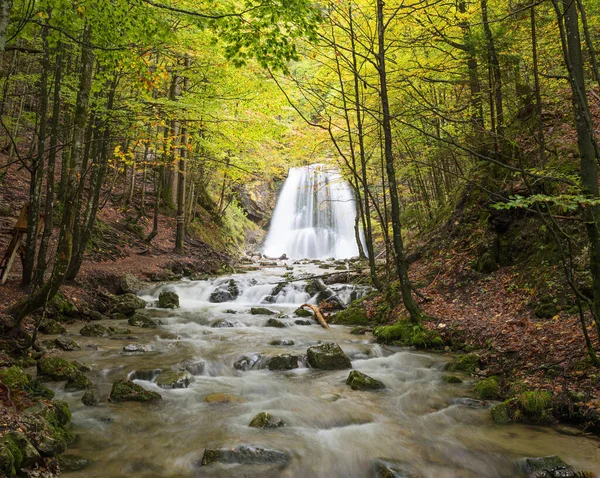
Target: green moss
62, 305
408, 333
488, 389
534, 405
56, 368
15, 450
7, 461
127, 391
464, 363
14, 378
303, 312
451, 379
353, 315
501, 413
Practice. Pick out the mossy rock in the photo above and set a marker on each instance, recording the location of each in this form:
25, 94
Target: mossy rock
7, 461
95, 330
452, 379
127, 391
303, 312
534, 405
408, 333
284, 362
353, 315
143, 321
547, 466
56, 368
266, 420
23, 452
223, 398
52, 327
545, 310
168, 300
14, 378
261, 311
127, 304
360, 381
61, 343
79, 382
464, 363
502, 413
275, 323
174, 379
90, 398
488, 389
246, 455
328, 356
63, 306
39, 390
71, 463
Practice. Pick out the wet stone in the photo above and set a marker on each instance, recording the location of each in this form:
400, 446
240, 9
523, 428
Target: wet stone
223, 398
547, 467
127, 304
382, 468
71, 463
246, 455
266, 420
302, 322
359, 330
303, 312
127, 391
79, 382
284, 362
173, 379
276, 323
194, 368
281, 342
261, 311
471, 403
360, 381
168, 300
95, 330
135, 349
249, 362
328, 356
147, 374
90, 398
226, 323
220, 296
143, 321
61, 343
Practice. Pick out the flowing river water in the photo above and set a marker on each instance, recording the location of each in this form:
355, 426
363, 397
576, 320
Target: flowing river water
330, 430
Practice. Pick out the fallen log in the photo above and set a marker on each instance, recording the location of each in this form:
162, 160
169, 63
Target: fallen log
318, 315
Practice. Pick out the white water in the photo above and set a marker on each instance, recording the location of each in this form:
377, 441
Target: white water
314, 217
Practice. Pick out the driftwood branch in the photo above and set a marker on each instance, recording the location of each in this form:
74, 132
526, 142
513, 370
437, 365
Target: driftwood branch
318, 315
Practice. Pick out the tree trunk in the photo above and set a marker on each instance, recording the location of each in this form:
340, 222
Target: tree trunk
65, 241
586, 140
181, 174
5, 9
401, 267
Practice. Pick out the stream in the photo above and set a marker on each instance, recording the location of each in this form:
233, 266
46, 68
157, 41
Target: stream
330, 430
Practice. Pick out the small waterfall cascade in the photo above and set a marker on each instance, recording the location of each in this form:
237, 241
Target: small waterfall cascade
314, 217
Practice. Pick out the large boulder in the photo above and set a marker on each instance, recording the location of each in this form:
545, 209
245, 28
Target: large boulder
275, 323
246, 455
328, 356
142, 320
130, 284
52, 327
49, 420
360, 381
266, 420
95, 330
284, 362
168, 300
78, 382
127, 391
173, 379
219, 296
90, 398
56, 368
547, 467
127, 304
303, 312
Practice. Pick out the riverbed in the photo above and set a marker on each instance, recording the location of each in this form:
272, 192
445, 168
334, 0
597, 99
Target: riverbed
330, 430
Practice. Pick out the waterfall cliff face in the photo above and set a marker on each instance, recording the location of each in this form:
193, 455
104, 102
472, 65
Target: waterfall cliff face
314, 216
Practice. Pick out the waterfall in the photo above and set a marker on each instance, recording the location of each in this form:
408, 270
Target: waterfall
314, 216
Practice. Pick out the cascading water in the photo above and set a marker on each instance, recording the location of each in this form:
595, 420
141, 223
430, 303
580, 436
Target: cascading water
314, 217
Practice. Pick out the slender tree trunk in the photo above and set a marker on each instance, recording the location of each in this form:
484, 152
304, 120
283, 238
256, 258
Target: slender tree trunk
37, 168
65, 241
537, 92
50, 179
401, 267
180, 231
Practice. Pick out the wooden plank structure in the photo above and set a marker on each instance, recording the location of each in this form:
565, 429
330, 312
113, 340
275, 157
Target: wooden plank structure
16, 243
